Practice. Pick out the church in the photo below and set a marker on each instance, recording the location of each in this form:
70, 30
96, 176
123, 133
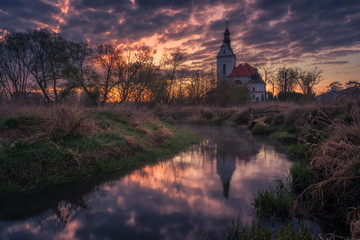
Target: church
243, 74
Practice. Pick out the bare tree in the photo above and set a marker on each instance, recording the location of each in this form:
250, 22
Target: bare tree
308, 79
286, 79
200, 84
79, 72
353, 83
335, 86
107, 57
14, 74
34, 41
172, 63
55, 49
268, 75
135, 72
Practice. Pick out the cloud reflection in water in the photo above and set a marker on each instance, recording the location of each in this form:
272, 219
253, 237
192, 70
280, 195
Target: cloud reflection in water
191, 195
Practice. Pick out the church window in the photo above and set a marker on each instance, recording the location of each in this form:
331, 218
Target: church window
253, 89
224, 69
224, 51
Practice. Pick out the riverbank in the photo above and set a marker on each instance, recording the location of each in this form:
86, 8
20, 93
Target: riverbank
45, 146
325, 143
42, 146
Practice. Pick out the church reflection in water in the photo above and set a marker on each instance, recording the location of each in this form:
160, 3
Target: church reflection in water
229, 150
182, 198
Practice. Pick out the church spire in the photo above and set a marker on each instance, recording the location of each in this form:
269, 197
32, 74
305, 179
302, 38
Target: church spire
227, 35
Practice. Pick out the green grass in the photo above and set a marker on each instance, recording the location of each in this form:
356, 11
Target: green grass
274, 202
18, 120
301, 151
259, 231
33, 165
82, 144
286, 137
301, 176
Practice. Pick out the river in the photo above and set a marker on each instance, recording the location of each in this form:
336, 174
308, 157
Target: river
193, 195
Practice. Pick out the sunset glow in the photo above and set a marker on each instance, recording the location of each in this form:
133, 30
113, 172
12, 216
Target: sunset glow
262, 32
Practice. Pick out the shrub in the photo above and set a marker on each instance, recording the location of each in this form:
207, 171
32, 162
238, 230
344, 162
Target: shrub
228, 94
286, 137
243, 118
262, 129
279, 119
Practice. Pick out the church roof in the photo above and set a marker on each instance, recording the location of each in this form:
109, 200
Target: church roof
242, 70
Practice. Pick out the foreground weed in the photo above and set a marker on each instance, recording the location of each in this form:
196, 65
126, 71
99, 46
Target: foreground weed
259, 231
274, 201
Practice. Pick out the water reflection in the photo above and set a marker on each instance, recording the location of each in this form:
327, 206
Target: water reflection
187, 197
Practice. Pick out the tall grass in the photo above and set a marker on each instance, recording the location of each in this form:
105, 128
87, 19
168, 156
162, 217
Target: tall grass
259, 230
274, 201
46, 145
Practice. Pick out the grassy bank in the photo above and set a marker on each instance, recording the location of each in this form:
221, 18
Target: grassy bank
44, 146
324, 140
325, 177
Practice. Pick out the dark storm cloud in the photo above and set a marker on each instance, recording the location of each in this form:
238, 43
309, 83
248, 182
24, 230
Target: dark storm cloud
23, 14
299, 26
336, 53
176, 4
260, 29
331, 63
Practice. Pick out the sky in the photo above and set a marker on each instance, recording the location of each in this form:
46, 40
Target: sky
303, 33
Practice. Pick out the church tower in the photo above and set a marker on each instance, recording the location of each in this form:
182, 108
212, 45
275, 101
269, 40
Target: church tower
226, 59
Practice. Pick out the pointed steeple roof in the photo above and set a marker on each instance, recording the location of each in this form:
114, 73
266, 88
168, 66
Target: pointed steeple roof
227, 35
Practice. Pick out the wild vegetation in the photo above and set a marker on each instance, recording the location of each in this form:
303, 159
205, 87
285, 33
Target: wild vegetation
41, 66
324, 140
53, 143
43, 146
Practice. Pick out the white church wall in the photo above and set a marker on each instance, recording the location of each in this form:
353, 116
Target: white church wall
257, 92
229, 66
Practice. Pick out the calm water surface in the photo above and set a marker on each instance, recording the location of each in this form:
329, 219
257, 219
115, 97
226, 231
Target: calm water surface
190, 196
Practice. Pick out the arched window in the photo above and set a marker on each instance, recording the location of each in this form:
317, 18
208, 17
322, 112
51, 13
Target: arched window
253, 89
224, 69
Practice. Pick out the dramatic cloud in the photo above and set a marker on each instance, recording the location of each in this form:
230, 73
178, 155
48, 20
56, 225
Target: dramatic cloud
328, 63
276, 32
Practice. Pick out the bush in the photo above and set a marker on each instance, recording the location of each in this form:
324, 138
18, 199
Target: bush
228, 94
286, 137
243, 118
279, 119
262, 129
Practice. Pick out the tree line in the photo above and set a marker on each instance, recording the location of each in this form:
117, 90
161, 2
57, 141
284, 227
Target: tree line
46, 64
54, 69
291, 83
